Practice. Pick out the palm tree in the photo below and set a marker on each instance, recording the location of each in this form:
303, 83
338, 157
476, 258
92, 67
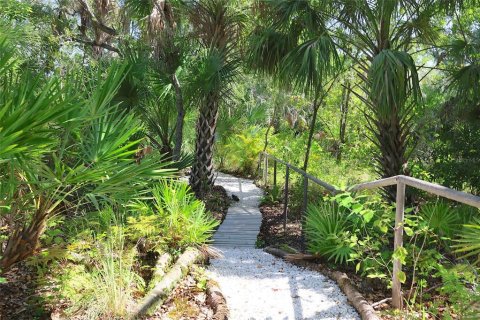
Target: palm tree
61, 151
306, 56
162, 31
216, 25
380, 38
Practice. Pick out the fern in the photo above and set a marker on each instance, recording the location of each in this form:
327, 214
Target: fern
242, 151
328, 233
469, 242
443, 219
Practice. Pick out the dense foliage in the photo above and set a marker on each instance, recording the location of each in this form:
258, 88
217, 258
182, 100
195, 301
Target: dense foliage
102, 103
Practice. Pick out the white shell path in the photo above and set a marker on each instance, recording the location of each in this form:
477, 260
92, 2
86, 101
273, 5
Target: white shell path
260, 286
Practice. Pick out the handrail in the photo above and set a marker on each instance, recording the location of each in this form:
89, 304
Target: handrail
437, 189
400, 181
442, 191
324, 184
374, 184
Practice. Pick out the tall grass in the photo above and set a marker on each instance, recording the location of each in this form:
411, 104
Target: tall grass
114, 278
104, 286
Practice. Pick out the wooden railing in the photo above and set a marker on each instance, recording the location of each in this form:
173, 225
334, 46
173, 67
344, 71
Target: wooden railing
400, 181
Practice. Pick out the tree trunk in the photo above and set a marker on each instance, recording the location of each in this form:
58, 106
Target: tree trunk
180, 118
310, 134
275, 118
163, 288
392, 142
343, 118
202, 175
265, 143
24, 242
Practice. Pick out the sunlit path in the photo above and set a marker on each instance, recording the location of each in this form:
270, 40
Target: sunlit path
258, 285
242, 223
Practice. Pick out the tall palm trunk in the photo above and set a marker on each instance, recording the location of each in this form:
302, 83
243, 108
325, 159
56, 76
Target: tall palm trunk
202, 175
177, 150
390, 130
217, 25
392, 142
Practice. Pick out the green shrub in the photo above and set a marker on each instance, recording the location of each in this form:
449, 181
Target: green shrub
467, 213
464, 301
272, 195
175, 219
328, 233
240, 154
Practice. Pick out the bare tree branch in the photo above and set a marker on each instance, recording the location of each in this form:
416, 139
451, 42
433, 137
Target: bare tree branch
94, 44
95, 22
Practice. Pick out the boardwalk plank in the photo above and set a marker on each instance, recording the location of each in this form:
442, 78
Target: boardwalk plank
242, 223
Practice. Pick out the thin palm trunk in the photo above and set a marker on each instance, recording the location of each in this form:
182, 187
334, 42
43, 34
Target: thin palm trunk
343, 118
180, 118
316, 106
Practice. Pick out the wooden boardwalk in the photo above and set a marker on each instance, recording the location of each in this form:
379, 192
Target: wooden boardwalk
242, 223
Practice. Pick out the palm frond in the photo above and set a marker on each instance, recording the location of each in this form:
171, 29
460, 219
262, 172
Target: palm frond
392, 76
215, 74
103, 91
139, 8
293, 16
217, 23
466, 83
26, 113
469, 242
267, 48
310, 63
416, 27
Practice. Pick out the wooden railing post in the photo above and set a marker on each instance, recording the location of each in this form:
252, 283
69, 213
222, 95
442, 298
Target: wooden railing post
397, 299
275, 173
285, 200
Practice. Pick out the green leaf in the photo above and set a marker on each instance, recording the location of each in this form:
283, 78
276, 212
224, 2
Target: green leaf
400, 254
367, 215
381, 226
345, 202
357, 207
402, 277
408, 231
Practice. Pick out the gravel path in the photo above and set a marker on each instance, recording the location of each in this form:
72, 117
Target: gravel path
260, 286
